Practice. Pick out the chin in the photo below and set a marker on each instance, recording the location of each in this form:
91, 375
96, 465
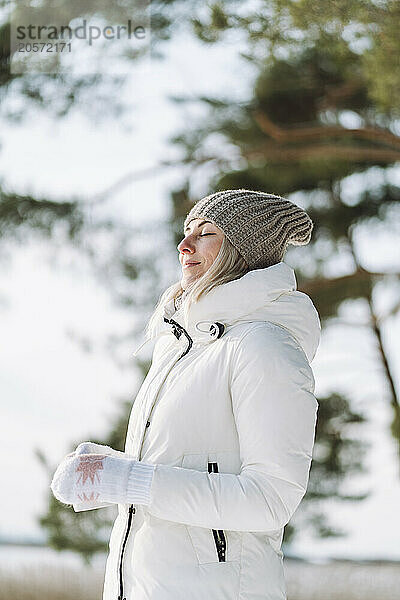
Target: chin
188, 281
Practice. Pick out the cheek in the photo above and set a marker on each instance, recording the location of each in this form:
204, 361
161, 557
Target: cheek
210, 253
215, 249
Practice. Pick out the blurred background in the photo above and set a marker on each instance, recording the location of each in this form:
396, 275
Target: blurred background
100, 163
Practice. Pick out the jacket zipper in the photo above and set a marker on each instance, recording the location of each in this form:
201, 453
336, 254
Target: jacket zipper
177, 331
132, 511
219, 535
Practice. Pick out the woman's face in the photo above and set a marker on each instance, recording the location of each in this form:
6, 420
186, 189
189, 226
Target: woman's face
200, 245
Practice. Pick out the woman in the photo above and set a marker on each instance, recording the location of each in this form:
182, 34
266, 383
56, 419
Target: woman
220, 436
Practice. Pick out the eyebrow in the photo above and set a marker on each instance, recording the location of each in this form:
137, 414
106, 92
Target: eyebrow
199, 225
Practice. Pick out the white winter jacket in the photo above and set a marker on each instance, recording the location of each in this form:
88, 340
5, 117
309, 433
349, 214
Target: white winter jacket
227, 414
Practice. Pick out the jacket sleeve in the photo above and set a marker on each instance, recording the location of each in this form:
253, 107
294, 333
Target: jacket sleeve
275, 410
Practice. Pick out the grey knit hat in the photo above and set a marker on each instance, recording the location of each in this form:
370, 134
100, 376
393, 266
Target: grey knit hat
258, 225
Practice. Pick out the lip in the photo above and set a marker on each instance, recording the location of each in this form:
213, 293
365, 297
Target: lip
190, 264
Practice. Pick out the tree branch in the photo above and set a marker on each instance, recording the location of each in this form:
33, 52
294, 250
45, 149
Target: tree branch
326, 151
305, 134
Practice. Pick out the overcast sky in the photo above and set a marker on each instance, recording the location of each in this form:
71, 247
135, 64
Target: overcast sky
53, 392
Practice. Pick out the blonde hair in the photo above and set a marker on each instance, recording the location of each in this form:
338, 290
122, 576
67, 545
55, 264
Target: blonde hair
227, 266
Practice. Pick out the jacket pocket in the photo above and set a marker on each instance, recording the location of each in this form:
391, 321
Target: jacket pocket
211, 545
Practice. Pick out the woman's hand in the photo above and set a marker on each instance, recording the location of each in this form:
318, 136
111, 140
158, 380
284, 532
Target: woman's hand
92, 448
95, 476
91, 478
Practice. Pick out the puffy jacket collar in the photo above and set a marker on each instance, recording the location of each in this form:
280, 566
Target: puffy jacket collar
268, 294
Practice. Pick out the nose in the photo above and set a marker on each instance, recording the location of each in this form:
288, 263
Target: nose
186, 246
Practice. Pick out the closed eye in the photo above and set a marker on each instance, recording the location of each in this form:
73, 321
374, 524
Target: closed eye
202, 234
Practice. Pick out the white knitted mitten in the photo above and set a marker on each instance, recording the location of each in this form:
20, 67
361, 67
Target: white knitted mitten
93, 448
90, 479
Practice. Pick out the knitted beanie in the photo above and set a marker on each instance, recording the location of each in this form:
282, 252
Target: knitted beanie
258, 225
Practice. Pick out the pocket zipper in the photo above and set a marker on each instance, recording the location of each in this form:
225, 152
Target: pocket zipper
219, 535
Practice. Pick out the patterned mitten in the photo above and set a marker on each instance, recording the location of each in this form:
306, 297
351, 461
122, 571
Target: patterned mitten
93, 448
88, 480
